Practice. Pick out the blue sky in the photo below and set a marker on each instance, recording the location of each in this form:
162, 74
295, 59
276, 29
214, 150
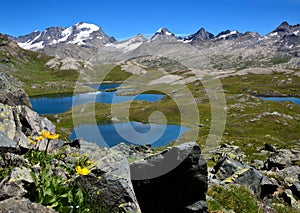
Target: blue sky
123, 19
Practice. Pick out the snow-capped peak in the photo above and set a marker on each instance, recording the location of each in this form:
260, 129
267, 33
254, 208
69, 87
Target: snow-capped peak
82, 34
164, 31
163, 34
82, 26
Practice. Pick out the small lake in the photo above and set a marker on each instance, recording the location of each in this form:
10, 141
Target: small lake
61, 103
108, 135
295, 100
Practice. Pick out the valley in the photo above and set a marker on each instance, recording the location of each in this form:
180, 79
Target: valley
216, 87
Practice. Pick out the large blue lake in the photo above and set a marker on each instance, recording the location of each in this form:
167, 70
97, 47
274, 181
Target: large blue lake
295, 100
108, 135
61, 103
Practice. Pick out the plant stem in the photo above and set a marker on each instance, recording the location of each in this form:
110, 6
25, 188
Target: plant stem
47, 146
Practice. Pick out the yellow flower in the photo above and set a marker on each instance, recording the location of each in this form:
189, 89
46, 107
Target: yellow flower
82, 171
89, 162
49, 135
32, 142
39, 138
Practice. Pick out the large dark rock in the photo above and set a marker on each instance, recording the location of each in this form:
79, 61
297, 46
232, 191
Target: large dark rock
109, 183
10, 94
22, 205
172, 181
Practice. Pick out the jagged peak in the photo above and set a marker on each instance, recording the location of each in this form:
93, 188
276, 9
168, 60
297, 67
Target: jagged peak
164, 31
84, 25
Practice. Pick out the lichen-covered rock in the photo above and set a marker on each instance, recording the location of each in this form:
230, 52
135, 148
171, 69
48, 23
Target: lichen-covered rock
12, 160
7, 144
232, 171
22, 205
289, 175
180, 190
13, 184
283, 158
10, 94
19, 122
109, 183
234, 152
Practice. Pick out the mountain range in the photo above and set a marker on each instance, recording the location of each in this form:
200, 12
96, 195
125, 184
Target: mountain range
228, 49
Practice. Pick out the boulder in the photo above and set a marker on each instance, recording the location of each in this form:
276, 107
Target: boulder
295, 188
288, 197
7, 144
289, 175
282, 158
270, 148
19, 122
268, 186
10, 94
234, 152
13, 184
21, 205
231, 171
174, 180
133, 152
109, 182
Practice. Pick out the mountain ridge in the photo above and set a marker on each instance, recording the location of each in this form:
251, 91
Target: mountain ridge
227, 49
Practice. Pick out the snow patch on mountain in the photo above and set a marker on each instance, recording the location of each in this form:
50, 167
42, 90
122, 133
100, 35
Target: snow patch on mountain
128, 45
66, 33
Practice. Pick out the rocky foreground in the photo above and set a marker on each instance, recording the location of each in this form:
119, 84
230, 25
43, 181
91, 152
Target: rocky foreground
46, 174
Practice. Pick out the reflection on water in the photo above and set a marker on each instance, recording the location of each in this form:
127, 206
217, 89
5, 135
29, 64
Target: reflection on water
106, 135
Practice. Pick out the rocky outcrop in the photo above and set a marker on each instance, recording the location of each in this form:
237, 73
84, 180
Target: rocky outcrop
277, 178
114, 188
231, 171
19, 205
19, 122
282, 159
10, 94
174, 180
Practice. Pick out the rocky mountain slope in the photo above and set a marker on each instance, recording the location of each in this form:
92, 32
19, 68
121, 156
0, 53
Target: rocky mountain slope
81, 34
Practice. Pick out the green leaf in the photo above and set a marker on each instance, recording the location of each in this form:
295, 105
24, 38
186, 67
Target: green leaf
79, 196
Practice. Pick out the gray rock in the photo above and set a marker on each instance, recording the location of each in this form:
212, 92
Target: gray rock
13, 184
289, 175
7, 144
200, 206
295, 188
231, 171
288, 197
19, 122
171, 190
21, 205
257, 164
109, 183
10, 94
12, 160
268, 186
132, 152
234, 152
282, 158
